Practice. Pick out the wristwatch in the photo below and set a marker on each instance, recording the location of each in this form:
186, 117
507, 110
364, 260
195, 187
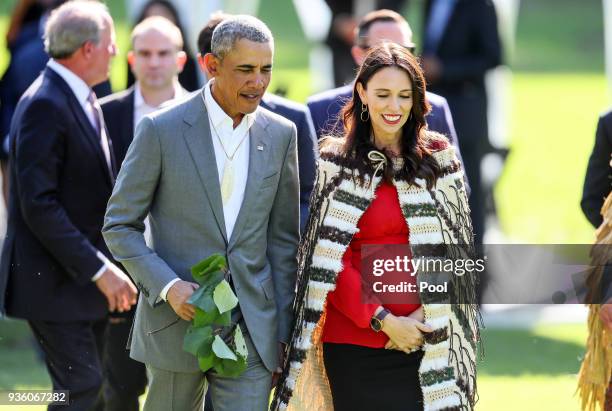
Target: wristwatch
376, 321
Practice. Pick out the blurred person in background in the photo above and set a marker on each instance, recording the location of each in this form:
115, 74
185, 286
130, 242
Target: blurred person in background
188, 77
374, 355
345, 17
373, 28
56, 271
295, 112
460, 44
156, 59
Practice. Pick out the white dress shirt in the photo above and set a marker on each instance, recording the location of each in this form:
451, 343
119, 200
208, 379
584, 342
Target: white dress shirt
81, 91
231, 138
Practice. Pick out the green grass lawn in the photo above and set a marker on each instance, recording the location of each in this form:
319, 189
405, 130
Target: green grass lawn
553, 122
531, 370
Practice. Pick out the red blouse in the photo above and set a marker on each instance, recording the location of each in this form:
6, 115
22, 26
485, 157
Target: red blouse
348, 318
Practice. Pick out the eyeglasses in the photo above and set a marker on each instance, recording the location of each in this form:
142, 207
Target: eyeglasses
409, 49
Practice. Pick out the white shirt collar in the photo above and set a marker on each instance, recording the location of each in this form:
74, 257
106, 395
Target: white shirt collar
217, 116
80, 89
139, 99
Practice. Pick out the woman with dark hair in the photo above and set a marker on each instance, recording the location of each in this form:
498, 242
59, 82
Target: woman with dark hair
387, 180
189, 76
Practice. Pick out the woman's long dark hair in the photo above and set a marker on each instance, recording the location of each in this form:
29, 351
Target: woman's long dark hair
356, 141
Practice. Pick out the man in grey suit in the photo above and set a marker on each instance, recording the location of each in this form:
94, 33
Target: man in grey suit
215, 174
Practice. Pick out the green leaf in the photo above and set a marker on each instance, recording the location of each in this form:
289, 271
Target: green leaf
241, 348
202, 318
206, 363
206, 347
231, 368
195, 337
221, 349
224, 297
224, 319
203, 299
201, 270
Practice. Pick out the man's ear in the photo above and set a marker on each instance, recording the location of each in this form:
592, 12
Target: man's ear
181, 59
130, 58
212, 63
88, 49
358, 54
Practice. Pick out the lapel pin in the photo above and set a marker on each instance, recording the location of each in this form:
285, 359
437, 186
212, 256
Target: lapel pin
260, 148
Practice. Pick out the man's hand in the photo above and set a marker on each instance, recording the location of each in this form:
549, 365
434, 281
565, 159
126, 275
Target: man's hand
282, 352
177, 297
605, 314
118, 289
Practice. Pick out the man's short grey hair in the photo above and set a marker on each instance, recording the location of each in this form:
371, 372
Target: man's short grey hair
229, 31
71, 25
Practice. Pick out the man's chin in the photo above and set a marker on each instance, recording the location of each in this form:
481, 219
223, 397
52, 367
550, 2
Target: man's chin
250, 107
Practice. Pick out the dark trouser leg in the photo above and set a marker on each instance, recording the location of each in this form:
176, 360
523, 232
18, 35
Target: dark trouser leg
125, 378
72, 355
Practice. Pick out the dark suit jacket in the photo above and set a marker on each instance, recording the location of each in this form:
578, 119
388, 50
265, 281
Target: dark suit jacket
469, 46
60, 185
597, 183
306, 145
118, 110
325, 108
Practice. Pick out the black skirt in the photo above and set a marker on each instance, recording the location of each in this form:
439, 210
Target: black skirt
373, 379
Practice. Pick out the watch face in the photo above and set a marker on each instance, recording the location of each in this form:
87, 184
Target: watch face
376, 324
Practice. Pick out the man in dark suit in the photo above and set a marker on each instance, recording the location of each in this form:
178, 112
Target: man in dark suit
597, 182
373, 28
295, 112
56, 271
461, 42
156, 59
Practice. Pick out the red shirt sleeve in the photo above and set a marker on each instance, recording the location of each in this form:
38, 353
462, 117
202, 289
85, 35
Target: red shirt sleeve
347, 298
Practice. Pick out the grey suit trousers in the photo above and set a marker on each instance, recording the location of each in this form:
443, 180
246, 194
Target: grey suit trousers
179, 391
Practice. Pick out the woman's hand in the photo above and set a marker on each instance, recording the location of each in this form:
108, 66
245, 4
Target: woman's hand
418, 314
405, 333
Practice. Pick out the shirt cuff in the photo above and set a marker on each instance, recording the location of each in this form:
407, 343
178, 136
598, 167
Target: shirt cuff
164, 292
105, 265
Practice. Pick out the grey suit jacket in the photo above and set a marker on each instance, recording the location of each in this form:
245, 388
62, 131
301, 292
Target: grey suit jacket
170, 174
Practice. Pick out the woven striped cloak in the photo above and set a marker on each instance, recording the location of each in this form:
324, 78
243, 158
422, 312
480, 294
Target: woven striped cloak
436, 218
596, 370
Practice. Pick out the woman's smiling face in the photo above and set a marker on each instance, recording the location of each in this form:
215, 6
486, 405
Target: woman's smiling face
388, 96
